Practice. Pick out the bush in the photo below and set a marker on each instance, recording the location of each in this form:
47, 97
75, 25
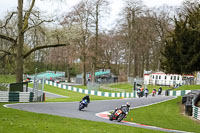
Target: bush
3, 87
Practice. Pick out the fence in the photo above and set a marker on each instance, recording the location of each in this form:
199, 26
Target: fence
38, 88
93, 86
131, 80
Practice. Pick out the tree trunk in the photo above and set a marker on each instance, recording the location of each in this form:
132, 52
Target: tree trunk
147, 61
129, 63
142, 68
68, 72
93, 71
96, 43
136, 65
84, 68
19, 57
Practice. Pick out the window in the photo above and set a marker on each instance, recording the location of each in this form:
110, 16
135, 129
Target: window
159, 77
153, 76
174, 77
171, 77
156, 76
178, 78
165, 77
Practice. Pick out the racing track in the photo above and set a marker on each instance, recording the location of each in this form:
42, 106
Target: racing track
70, 109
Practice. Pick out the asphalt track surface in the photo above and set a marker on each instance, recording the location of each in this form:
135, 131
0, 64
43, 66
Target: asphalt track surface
70, 109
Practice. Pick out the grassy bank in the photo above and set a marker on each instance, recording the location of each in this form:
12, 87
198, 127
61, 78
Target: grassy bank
166, 115
71, 95
16, 121
100, 89
7, 79
188, 87
129, 87
126, 87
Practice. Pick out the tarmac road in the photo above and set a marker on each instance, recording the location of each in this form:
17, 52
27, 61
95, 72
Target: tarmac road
70, 109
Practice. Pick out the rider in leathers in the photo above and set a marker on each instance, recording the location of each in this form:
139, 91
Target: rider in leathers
127, 106
87, 98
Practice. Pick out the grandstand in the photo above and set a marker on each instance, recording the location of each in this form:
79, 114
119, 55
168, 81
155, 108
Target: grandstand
48, 75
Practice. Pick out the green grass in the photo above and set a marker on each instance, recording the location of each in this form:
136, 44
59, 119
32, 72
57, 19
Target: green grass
126, 87
151, 87
16, 121
166, 115
188, 87
73, 96
129, 87
100, 89
7, 79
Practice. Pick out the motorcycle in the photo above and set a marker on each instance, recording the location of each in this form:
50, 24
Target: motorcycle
83, 104
153, 93
118, 114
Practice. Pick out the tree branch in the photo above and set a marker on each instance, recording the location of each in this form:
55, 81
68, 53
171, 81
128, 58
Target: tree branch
37, 25
8, 38
5, 54
42, 47
27, 15
8, 19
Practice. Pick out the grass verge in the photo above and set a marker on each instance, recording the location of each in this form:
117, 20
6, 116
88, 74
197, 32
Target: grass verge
165, 115
188, 87
100, 89
7, 79
16, 121
129, 87
71, 95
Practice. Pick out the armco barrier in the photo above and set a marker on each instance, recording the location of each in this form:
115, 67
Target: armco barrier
15, 96
178, 93
195, 103
196, 112
92, 92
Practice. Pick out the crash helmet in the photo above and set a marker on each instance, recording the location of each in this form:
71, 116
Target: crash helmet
128, 104
87, 96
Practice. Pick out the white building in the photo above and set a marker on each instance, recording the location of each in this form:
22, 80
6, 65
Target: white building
161, 78
198, 78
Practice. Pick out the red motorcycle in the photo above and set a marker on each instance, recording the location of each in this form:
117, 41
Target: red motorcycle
118, 114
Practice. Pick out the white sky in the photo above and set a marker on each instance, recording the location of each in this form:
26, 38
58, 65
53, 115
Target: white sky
54, 7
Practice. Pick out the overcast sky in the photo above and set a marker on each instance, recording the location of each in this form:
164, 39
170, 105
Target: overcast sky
53, 7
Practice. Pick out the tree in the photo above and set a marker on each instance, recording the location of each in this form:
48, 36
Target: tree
183, 46
81, 17
132, 11
99, 5
18, 42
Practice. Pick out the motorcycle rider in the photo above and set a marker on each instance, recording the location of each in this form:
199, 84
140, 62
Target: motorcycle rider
154, 92
127, 106
87, 98
160, 90
146, 92
139, 92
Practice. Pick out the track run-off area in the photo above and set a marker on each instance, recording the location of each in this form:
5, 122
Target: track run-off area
96, 110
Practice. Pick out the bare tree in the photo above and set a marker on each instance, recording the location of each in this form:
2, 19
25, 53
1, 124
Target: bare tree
18, 42
100, 5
